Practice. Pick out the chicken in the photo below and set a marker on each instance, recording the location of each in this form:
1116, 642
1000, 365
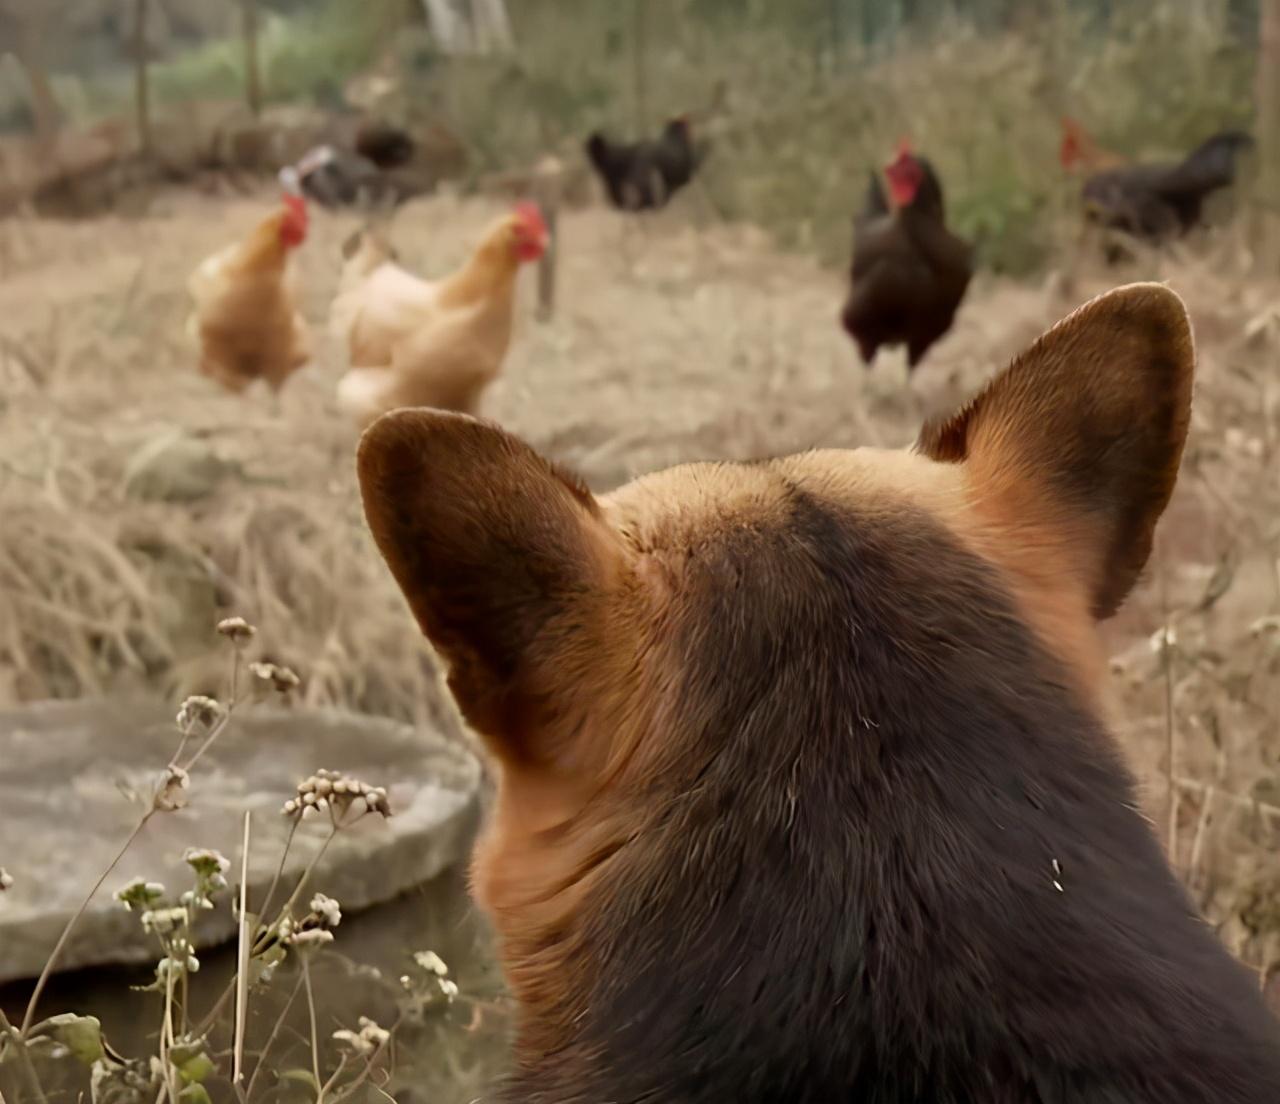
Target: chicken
244, 317
415, 343
1079, 152
383, 145
334, 175
336, 178
642, 176
909, 271
1160, 202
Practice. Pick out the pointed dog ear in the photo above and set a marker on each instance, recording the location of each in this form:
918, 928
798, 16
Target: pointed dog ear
1081, 436
498, 552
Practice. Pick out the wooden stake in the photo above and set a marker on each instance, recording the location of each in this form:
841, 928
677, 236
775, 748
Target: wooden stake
549, 188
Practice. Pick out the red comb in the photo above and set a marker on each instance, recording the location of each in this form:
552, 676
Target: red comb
529, 212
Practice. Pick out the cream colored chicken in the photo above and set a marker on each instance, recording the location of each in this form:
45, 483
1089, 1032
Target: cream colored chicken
244, 318
419, 343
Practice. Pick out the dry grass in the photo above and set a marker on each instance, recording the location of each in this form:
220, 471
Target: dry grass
674, 342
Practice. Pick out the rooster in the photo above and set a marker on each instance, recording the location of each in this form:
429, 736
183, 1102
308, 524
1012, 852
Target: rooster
418, 343
244, 317
909, 271
643, 176
1159, 202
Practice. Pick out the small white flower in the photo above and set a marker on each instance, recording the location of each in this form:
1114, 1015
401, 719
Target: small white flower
311, 937
373, 1032
171, 795
205, 861
140, 893
357, 1043
327, 909
1164, 639
163, 921
192, 899
449, 989
198, 713
431, 962
6, 880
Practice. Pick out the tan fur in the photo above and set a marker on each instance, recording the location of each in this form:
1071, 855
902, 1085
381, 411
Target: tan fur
245, 319
554, 609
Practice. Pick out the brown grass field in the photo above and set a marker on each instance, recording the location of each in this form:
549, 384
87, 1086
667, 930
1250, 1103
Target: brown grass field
138, 503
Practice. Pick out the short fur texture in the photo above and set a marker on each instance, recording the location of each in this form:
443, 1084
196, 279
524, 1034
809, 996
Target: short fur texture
804, 794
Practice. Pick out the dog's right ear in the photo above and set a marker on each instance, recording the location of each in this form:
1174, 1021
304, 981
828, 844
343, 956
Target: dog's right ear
1076, 444
505, 559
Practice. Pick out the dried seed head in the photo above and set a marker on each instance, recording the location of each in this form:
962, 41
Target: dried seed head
171, 793
281, 678
198, 714
1265, 626
345, 799
237, 630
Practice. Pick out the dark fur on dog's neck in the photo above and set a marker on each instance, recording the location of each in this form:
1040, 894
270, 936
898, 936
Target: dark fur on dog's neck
885, 805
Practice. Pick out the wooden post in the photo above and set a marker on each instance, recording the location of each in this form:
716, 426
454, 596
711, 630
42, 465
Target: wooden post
1268, 133
639, 51
252, 70
548, 188
141, 87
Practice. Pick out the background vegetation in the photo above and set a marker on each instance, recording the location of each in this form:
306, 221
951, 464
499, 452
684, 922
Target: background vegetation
800, 98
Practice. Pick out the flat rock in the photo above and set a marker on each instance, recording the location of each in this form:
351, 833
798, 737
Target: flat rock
69, 768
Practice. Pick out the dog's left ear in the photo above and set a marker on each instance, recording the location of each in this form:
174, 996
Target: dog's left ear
504, 558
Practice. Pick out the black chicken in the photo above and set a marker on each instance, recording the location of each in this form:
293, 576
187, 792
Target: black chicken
384, 145
909, 271
334, 177
1160, 202
644, 175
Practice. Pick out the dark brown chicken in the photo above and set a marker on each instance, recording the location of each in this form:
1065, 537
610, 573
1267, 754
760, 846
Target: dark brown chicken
1161, 202
909, 271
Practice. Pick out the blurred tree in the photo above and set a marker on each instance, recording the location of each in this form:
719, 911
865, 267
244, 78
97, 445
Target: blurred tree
26, 26
142, 91
252, 68
1268, 127
640, 60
